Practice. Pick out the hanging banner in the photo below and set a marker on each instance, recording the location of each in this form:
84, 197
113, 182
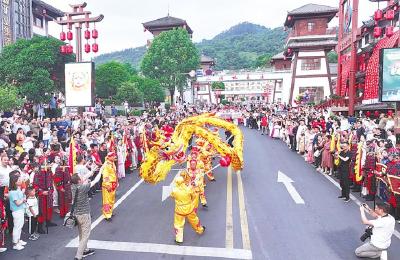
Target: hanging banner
389, 75
79, 84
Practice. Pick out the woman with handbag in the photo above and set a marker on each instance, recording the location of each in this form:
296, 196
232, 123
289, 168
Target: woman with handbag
80, 210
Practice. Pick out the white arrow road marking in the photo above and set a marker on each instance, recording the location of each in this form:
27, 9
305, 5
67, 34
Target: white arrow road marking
290, 188
167, 190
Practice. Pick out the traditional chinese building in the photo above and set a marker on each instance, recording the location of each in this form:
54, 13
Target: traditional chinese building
21, 19
309, 42
359, 50
167, 23
42, 14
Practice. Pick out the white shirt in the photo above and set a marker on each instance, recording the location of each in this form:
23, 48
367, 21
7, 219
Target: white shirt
382, 231
32, 202
46, 133
5, 176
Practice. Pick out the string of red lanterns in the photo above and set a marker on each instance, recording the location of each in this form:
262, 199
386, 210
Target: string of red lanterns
67, 48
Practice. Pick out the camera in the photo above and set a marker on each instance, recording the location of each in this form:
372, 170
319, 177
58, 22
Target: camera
367, 234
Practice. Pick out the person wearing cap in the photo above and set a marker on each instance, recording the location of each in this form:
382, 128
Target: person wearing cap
109, 185
184, 198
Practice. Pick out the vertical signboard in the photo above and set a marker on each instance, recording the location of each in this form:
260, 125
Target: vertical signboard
6, 27
79, 84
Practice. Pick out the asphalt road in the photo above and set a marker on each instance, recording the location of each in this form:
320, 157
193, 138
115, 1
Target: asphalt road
324, 227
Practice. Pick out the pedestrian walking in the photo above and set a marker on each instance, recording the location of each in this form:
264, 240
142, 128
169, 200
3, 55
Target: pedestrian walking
80, 189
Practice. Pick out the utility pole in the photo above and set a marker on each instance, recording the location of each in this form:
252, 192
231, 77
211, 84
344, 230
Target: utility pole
78, 18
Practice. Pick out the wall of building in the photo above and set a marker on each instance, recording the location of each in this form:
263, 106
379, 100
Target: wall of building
315, 57
301, 27
282, 64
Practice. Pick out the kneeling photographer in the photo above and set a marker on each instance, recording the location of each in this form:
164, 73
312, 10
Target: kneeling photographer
379, 231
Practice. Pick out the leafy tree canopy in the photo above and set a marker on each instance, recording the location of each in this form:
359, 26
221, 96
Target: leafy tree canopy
170, 57
9, 98
151, 89
130, 92
332, 57
110, 76
26, 61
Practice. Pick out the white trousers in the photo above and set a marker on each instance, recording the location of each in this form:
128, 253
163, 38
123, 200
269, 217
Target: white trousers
18, 217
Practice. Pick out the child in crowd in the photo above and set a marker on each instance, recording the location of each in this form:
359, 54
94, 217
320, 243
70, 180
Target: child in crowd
17, 206
32, 212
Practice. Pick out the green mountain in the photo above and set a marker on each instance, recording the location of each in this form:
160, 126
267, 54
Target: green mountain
242, 46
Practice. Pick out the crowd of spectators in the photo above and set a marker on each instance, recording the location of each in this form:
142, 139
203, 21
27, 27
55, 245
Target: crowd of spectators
35, 154
321, 137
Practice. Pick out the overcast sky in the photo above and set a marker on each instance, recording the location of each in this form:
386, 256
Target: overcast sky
122, 26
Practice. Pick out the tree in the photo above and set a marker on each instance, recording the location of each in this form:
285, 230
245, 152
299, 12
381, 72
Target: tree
38, 57
170, 57
151, 89
332, 57
9, 98
110, 76
263, 61
218, 85
129, 91
39, 85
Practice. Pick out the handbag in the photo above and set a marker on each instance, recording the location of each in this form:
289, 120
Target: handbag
70, 220
317, 153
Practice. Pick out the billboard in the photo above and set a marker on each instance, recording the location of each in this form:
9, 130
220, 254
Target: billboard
79, 84
389, 75
348, 16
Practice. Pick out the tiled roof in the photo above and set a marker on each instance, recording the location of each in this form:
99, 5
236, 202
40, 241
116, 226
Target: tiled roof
55, 12
278, 56
167, 21
313, 9
205, 58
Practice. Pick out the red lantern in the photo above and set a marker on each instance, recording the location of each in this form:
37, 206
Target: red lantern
289, 18
63, 49
70, 36
95, 47
390, 15
377, 32
70, 49
368, 113
378, 15
376, 113
390, 112
62, 36
87, 47
87, 34
389, 31
95, 34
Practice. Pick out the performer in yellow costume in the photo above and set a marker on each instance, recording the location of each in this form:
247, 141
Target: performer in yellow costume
109, 186
184, 208
205, 155
195, 172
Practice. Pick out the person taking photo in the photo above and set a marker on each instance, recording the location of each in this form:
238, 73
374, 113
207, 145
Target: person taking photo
382, 228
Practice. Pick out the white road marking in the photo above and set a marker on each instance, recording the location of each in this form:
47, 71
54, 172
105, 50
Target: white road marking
290, 188
353, 198
99, 219
243, 214
229, 212
214, 252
